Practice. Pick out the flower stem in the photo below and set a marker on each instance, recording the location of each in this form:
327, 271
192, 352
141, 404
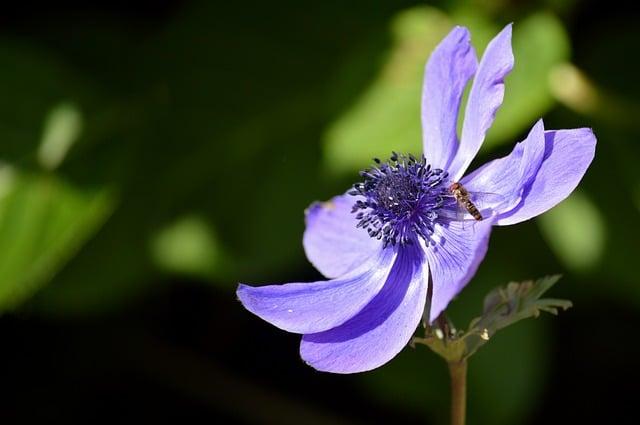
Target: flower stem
458, 373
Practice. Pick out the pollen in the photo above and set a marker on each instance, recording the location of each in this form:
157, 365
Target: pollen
399, 199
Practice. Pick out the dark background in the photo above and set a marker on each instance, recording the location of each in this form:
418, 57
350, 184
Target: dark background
154, 154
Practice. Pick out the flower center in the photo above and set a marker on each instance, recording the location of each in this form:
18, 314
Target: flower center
401, 199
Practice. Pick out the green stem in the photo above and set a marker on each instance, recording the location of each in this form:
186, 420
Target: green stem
458, 373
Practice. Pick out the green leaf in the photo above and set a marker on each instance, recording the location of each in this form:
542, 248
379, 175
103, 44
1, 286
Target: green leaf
503, 307
43, 222
417, 381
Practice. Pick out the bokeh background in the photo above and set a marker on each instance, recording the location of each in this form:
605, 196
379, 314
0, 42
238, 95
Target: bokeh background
155, 153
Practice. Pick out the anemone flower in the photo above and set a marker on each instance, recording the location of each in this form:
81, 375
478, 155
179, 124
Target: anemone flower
406, 239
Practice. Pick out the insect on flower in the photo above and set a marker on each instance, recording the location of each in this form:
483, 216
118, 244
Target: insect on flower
463, 198
479, 205
414, 222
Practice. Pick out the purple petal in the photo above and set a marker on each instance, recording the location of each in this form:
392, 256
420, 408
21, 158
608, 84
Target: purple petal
459, 249
318, 306
331, 241
485, 98
508, 176
381, 329
448, 70
567, 156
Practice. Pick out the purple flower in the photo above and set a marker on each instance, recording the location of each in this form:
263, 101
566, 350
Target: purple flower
401, 229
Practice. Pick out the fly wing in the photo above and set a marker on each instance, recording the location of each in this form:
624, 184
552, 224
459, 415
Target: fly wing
487, 203
453, 210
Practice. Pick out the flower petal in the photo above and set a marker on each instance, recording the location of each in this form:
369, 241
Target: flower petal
459, 249
485, 98
510, 175
567, 156
331, 240
318, 306
381, 329
447, 72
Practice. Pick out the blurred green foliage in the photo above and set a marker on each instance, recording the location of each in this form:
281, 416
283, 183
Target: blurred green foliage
387, 116
135, 154
565, 227
43, 222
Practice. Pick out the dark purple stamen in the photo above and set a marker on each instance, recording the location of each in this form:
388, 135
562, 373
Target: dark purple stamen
401, 199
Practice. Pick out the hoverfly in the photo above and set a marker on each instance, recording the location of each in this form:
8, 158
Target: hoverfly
462, 197
478, 205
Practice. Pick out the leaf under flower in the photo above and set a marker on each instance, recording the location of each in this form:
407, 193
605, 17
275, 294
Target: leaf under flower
503, 307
